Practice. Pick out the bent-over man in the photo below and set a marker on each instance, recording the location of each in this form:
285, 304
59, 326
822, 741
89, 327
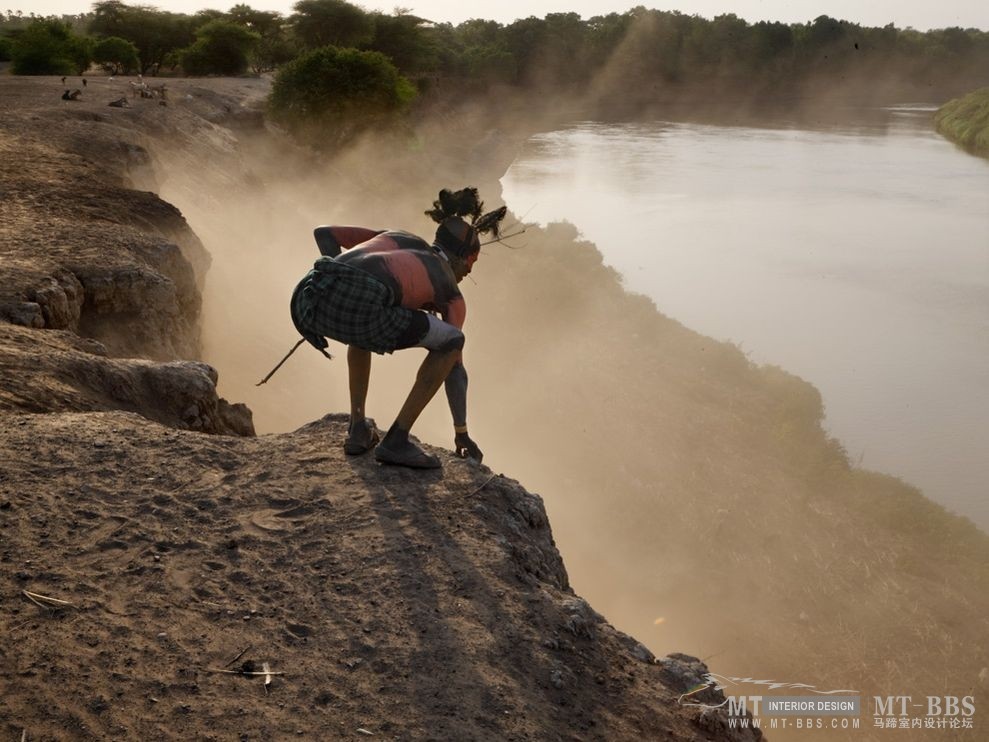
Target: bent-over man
383, 293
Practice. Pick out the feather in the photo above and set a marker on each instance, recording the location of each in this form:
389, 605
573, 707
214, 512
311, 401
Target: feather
491, 222
465, 202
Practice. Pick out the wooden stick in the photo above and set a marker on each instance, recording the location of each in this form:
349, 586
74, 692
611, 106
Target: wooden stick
242, 653
281, 362
486, 483
243, 672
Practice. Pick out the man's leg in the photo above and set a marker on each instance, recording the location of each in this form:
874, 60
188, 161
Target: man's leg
361, 436
396, 448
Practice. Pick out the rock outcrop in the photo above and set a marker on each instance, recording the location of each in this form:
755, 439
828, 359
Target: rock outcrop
86, 252
411, 605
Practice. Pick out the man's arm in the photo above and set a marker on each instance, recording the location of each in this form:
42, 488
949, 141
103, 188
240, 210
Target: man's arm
330, 239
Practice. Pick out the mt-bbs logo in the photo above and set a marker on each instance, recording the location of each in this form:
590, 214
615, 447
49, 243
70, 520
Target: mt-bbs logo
946, 706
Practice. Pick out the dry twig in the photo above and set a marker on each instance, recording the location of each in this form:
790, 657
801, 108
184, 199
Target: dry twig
244, 672
487, 481
44, 601
242, 653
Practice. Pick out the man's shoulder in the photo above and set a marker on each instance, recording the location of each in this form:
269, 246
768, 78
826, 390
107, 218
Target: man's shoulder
407, 240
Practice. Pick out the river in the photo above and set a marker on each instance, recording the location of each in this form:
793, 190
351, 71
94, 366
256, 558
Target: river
853, 255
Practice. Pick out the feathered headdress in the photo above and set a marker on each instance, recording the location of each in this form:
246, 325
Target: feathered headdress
454, 233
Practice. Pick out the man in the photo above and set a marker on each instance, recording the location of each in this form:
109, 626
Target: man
382, 295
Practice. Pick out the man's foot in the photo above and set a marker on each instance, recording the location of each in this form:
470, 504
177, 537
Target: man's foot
405, 453
363, 437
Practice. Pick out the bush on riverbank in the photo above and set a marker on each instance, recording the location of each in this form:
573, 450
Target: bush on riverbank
330, 94
966, 121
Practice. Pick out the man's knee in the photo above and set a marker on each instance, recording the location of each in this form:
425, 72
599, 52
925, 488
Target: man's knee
442, 336
455, 342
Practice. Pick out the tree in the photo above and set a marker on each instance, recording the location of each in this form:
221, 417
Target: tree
116, 56
264, 22
320, 23
328, 95
156, 34
48, 47
400, 38
274, 47
221, 48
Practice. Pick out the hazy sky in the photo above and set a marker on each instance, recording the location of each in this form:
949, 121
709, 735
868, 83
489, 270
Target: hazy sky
921, 14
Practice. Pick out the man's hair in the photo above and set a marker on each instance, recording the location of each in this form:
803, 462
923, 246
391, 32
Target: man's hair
454, 233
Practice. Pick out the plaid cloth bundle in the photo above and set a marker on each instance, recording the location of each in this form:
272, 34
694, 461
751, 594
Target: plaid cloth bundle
349, 305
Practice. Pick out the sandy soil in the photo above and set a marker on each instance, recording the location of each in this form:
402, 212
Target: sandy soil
410, 605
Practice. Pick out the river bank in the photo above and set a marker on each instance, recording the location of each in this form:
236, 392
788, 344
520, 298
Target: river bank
693, 493
965, 121
165, 581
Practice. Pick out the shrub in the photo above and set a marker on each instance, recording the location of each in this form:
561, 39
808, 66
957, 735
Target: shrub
48, 47
221, 48
330, 94
116, 56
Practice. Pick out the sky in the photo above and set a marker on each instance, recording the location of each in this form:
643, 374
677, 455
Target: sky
920, 14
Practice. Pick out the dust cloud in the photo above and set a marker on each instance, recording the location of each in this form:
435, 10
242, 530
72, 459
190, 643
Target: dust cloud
695, 498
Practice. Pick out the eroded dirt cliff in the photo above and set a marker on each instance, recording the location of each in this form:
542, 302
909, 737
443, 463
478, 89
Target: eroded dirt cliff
148, 567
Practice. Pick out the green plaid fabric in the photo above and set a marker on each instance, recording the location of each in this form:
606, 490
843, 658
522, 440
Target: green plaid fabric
347, 304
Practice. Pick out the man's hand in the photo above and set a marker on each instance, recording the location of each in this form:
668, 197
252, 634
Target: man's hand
466, 448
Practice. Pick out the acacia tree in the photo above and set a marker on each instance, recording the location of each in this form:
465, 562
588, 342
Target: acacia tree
116, 56
320, 23
273, 47
401, 38
156, 34
221, 48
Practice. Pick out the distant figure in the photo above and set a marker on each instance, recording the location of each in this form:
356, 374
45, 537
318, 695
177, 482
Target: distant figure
84, 83
74, 95
382, 295
63, 79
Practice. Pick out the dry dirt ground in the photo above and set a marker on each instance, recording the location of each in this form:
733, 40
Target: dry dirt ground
147, 566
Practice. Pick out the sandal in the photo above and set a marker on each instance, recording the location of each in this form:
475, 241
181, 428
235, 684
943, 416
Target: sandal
361, 439
406, 453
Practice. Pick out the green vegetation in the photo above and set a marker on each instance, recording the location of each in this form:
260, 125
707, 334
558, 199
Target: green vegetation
966, 121
116, 56
646, 53
156, 34
221, 47
48, 47
329, 94
619, 63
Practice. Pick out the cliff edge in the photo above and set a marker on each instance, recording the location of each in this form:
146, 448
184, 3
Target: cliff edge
162, 583
409, 605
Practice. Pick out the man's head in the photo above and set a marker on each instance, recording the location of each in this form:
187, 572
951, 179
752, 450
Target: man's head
458, 238
460, 243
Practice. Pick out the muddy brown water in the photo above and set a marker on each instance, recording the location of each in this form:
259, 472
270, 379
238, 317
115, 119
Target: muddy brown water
855, 255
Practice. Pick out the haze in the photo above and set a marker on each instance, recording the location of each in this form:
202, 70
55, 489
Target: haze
920, 15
